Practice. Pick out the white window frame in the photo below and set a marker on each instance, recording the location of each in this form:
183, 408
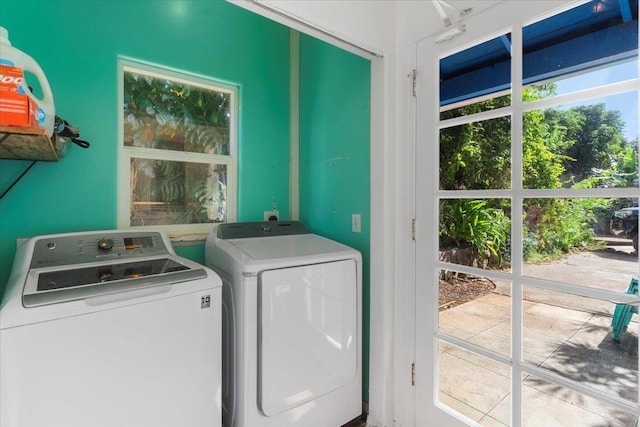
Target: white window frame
177, 232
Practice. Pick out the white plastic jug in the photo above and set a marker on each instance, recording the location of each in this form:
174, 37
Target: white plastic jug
11, 56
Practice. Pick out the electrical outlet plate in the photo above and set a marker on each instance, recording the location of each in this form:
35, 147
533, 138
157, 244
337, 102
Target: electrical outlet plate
269, 214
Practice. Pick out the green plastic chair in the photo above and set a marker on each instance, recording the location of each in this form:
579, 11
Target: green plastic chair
623, 312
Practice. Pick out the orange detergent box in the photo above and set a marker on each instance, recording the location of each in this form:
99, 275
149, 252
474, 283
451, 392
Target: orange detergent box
16, 107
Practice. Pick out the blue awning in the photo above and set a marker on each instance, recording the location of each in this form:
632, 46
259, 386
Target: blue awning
588, 36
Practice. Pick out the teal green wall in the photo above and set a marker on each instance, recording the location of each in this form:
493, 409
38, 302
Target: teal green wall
334, 152
77, 44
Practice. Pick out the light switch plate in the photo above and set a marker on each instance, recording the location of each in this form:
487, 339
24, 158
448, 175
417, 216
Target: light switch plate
356, 224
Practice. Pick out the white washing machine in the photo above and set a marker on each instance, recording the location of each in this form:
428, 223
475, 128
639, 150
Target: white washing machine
292, 347
107, 329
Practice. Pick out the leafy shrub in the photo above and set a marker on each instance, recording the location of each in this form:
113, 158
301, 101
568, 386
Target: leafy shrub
557, 226
472, 222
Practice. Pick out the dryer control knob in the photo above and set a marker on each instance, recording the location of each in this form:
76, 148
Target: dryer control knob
105, 244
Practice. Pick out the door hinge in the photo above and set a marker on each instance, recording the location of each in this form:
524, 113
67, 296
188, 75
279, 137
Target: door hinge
413, 374
413, 75
413, 229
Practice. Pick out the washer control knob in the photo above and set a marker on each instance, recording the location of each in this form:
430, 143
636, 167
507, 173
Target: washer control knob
105, 275
105, 244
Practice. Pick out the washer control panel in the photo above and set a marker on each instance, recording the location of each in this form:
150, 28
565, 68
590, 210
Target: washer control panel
83, 248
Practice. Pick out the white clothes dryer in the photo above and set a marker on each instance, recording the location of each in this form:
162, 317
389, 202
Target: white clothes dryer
292, 310
109, 328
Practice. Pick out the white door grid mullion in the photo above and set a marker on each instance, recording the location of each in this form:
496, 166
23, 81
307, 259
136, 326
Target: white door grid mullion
430, 126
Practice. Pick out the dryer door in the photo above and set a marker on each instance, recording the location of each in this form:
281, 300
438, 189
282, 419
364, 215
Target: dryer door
308, 333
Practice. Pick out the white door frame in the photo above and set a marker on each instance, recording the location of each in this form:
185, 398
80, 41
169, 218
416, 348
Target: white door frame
484, 26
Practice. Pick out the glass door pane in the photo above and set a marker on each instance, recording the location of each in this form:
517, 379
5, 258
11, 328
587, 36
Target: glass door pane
531, 259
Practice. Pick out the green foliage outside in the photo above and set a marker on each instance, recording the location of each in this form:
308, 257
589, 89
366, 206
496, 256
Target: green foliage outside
474, 222
170, 115
579, 147
557, 226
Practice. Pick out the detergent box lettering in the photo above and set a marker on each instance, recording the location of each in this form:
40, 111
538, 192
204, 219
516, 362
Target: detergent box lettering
17, 108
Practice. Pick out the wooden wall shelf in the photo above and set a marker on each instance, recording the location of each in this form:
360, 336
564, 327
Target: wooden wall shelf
20, 143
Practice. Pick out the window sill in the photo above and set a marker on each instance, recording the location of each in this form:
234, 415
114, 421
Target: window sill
184, 240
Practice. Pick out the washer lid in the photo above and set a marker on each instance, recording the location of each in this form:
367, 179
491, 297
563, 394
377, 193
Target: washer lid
56, 285
304, 245
250, 255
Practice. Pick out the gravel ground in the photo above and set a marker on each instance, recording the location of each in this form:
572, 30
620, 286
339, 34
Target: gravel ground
462, 288
608, 268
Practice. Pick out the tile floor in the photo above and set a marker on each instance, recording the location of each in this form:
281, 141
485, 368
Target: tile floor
572, 343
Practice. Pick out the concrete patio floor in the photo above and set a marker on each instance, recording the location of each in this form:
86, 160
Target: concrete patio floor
569, 336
